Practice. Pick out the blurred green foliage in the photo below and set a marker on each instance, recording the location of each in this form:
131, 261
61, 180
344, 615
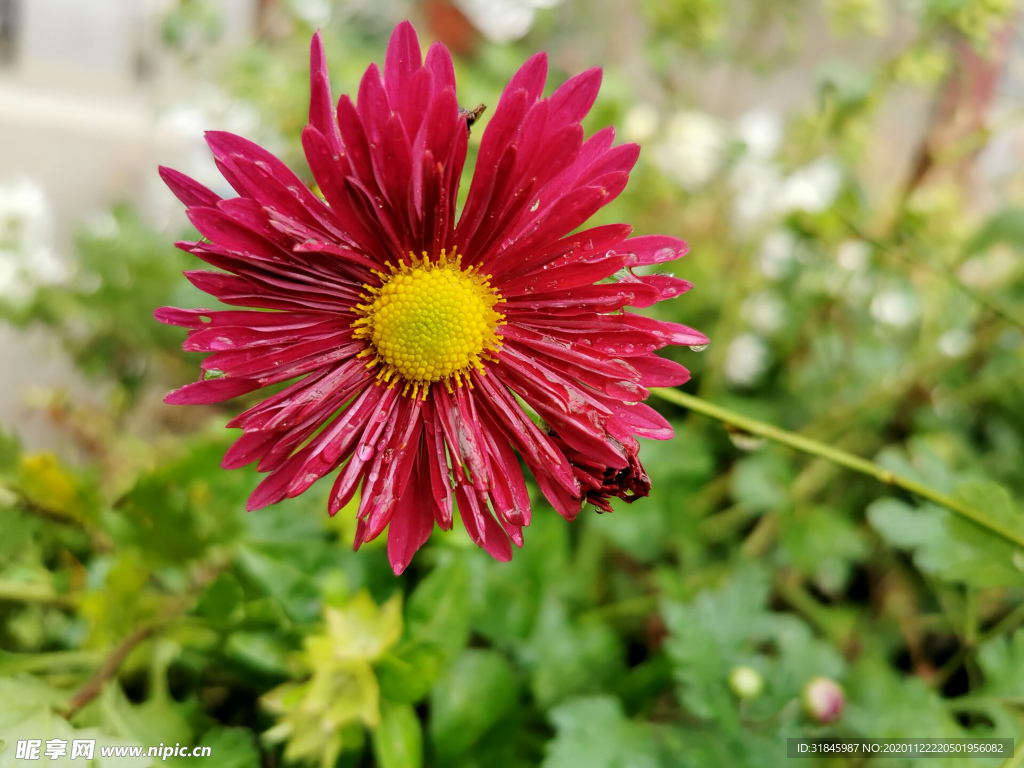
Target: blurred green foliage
884, 321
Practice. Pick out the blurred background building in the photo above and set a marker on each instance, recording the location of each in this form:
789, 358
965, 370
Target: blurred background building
84, 95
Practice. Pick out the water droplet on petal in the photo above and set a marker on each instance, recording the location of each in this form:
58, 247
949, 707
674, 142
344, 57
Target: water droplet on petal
665, 254
698, 347
364, 452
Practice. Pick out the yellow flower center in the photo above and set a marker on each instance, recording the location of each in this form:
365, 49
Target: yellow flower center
429, 321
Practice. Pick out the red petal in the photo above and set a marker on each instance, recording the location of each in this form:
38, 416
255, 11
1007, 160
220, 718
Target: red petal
321, 105
189, 191
402, 61
480, 524
412, 521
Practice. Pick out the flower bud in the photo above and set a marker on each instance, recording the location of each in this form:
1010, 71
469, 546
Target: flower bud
823, 699
746, 682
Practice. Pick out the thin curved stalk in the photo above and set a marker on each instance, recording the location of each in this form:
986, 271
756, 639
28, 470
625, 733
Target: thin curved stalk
840, 457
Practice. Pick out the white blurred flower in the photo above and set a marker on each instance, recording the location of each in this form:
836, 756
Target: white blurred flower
894, 308
761, 131
777, 251
746, 360
641, 122
103, 224
990, 269
762, 192
315, 12
853, 288
181, 128
27, 258
853, 255
240, 117
502, 21
756, 184
812, 188
765, 311
955, 343
692, 149
183, 120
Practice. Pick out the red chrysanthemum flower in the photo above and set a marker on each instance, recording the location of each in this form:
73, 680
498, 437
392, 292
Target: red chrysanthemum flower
428, 341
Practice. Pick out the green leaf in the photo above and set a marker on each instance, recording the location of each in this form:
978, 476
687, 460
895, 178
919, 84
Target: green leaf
730, 627
884, 705
686, 460
1007, 226
950, 547
1002, 660
761, 481
20, 696
642, 530
436, 613
506, 597
823, 544
222, 599
570, 658
795, 655
407, 672
478, 690
901, 525
918, 461
48, 483
43, 724
174, 512
158, 719
263, 652
595, 733
850, 86
282, 580
398, 740
708, 637
361, 629
992, 499
231, 747
120, 600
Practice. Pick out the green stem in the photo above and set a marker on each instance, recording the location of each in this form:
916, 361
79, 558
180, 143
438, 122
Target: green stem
1008, 624
836, 456
28, 592
16, 663
1017, 757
